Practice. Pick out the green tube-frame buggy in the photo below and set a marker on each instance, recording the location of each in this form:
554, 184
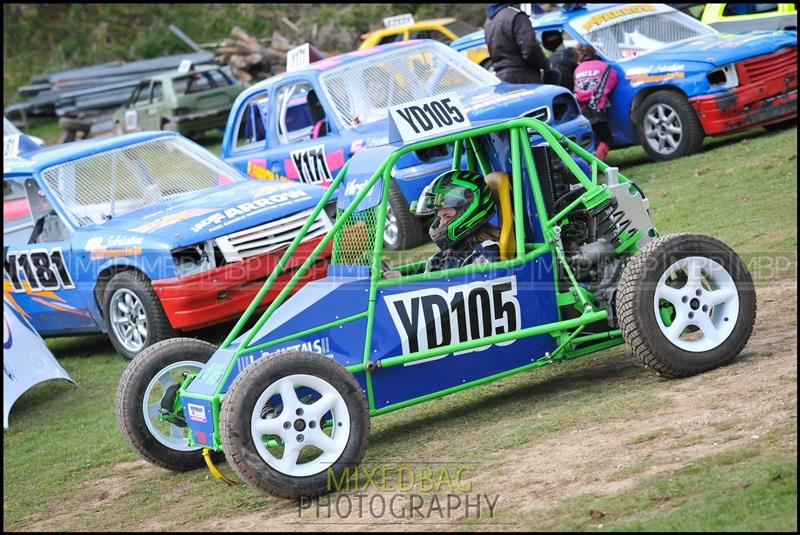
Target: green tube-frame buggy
582, 269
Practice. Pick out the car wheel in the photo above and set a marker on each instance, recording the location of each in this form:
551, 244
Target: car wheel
147, 388
686, 304
669, 127
133, 314
288, 442
402, 229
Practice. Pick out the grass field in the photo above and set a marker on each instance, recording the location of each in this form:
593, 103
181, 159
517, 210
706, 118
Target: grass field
593, 444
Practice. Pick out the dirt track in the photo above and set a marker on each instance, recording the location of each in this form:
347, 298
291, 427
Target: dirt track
717, 411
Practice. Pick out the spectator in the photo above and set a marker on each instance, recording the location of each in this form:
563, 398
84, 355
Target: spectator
594, 81
516, 56
563, 60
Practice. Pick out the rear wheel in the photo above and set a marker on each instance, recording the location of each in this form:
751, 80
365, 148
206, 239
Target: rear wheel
289, 421
146, 403
402, 229
669, 127
686, 304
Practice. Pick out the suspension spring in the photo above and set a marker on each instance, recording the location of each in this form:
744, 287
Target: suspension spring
610, 222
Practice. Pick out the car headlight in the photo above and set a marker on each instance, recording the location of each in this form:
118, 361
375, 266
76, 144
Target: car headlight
194, 258
564, 108
724, 77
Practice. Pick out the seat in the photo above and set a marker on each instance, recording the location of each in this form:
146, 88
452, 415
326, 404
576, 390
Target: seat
500, 184
319, 127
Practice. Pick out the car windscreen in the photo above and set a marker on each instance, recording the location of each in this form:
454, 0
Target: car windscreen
460, 28
110, 183
363, 90
625, 32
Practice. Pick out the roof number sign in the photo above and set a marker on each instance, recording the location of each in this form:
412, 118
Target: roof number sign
298, 58
10, 146
185, 66
398, 20
429, 117
526, 8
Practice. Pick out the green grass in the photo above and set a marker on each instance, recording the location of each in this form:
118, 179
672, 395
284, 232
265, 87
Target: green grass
63, 450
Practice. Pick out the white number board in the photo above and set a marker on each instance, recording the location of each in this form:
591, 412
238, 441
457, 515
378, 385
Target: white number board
298, 58
398, 20
185, 66
10, 146
526, 8
429, 117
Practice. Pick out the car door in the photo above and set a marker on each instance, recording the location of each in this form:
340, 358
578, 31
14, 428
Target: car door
148, 110
134, 115
246, 145
295, 151
39, 268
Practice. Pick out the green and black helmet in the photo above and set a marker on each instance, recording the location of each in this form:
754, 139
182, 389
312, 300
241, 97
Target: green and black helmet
468, 194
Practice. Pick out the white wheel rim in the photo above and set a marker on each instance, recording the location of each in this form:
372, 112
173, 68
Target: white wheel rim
170, 435
663, 130
390, 230
298, 426
128, 320
705, 301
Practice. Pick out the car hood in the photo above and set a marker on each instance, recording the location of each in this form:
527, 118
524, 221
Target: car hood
197, 216
717, 49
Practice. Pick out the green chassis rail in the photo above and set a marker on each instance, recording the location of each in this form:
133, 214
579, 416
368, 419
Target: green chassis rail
567, 332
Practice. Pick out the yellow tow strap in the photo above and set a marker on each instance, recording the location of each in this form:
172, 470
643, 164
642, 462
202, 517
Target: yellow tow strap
214, 470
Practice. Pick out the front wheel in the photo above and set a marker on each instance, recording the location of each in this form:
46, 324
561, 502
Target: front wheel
290, 421
148, 411
686, 304
668, 126
133, 314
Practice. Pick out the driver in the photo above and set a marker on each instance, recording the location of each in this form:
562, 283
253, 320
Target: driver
462, 205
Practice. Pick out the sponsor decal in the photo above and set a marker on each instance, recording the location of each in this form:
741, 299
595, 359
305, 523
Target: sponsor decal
614, 14
321, 346
488, 100
197, 413
170, 219
432, 318
258, 169
640, 79
312, 166
43, 270
246, 209
113, 246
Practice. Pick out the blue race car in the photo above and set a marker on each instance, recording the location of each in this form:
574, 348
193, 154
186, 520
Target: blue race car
679, 80
141, 235
303, 125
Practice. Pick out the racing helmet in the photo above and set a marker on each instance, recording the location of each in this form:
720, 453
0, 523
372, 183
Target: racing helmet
468, 193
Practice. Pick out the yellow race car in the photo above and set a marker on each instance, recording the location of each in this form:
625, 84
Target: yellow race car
740, 17
444, 30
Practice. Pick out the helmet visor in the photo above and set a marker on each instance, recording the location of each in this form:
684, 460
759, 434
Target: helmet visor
436, 196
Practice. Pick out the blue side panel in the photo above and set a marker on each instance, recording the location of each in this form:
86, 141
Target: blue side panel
199, 417
418, 316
